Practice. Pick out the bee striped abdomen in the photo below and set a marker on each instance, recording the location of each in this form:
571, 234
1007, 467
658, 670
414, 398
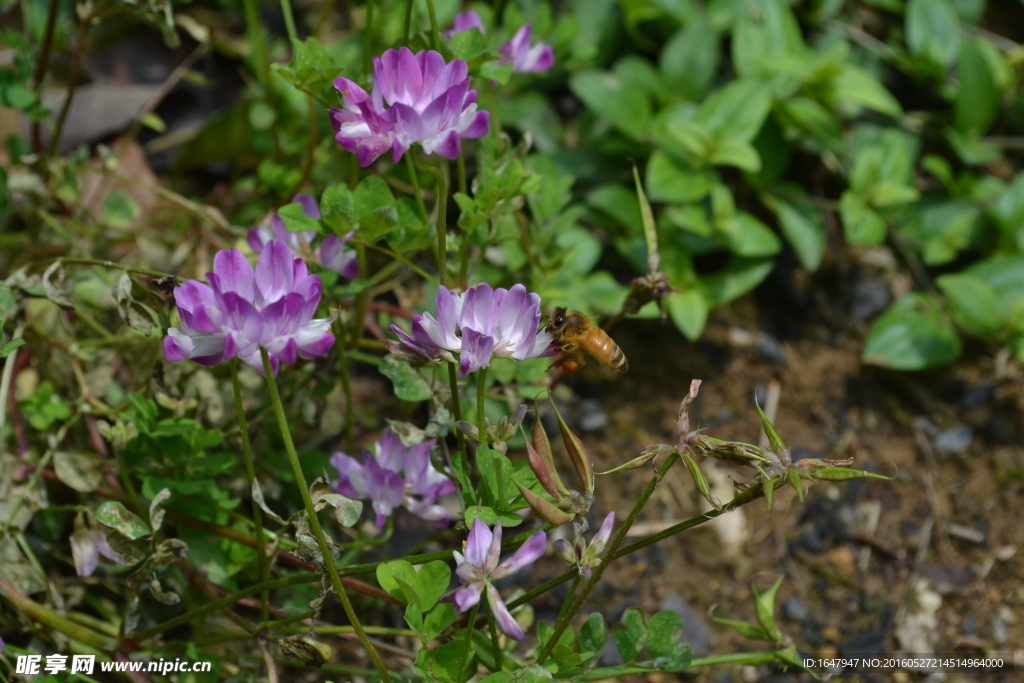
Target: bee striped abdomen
602, 347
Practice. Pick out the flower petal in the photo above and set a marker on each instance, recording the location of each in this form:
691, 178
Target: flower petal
502, 616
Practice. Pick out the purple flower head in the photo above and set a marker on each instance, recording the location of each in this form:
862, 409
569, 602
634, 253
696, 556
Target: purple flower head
465, 21
332, 253
87, 544
242, 310
479, 567
526, 58
393, 475
479, 324
582, 554
429, 102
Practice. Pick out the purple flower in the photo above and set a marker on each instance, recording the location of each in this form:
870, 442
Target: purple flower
465, 21
242, 310
429, 102
86, 547
526, 58
393, 475
479, 567
480, 323
582, 554
332, 253
518, 52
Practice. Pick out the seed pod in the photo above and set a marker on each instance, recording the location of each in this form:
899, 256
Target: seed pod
577, 453
545, 510
700, 480
543, 465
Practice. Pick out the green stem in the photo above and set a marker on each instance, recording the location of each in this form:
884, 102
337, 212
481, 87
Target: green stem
227, 600
368, 39
481, 396
408, 21
47, 617
314, 521
569, 596
250, 475
460, 164
563, 623
289, 21
361, 299
435, 34
42, 64
346, 386
414, 177
461, 457
259, 46
129, 487
498, 5
494, 641
468, 640
76, 63
442, 216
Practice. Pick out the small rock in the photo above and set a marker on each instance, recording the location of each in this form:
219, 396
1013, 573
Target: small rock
770, 349
953, 441
795, 611
975, 397
610, 656
870, 297
1000, 630
695, 629
945, 578
591, 416
967, 533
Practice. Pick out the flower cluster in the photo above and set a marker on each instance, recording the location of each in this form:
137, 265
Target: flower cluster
518, 52
582, 554
393, 475
332, 253
478, 324
479, 567
242, 310
429, 102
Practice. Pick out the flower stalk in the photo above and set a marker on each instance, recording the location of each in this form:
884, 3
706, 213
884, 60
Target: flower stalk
250, 475
314, 521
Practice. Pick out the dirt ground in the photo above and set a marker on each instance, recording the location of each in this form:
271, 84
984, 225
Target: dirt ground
928, 562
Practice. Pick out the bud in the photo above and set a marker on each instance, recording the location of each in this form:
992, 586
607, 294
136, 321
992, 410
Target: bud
545, 510
577, 453
699, 479
542, 463
564, 550
764, 609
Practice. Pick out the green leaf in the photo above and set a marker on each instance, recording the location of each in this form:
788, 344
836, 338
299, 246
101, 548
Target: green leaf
665, 634
545, 631
120, 210
409, 383
844, 474
977, 101
737, 111
448, 660
861, 223
432, 582
618, 202
375, 206
494, 468
295, 219
313, 70
738, 278
975, 303
620, 103
912, 335
593, 635
690, 58
766, 35
468, 44
492, 71
114, 515
10, 347
854, 85
647, 222
668, 180
733, 152
389, 573
745, 629
748, 236
630, 634
804, 229
78, 471
933, 30
337, 208
764, 608
490, 516
440, 617
1004, 274
696, 137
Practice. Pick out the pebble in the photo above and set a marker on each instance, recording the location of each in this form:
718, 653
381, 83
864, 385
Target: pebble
591, 416
795, 611
870, 297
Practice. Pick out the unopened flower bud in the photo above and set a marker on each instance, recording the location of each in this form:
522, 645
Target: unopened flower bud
545, 510
577, 453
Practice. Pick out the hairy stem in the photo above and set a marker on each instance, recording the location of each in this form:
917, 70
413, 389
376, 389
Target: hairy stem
461, 457
250, 475
598, 571
569, 596
314, 521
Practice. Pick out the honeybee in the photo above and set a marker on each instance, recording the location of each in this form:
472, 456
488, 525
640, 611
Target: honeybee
577, 334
